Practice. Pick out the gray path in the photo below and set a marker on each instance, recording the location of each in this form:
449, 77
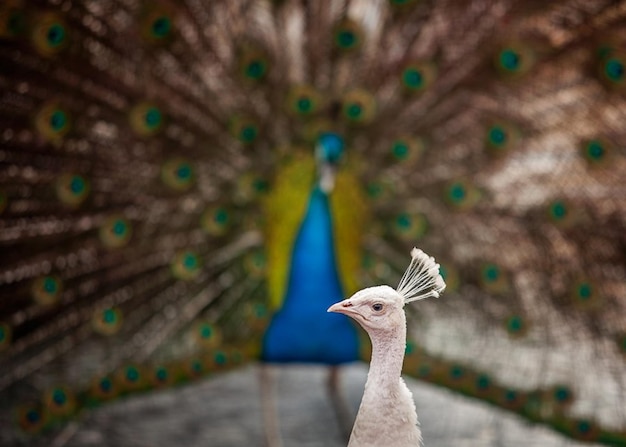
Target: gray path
225, 412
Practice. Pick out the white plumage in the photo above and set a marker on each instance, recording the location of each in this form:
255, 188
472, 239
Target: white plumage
387, 415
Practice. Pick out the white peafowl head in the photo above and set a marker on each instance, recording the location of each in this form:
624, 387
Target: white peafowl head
380, 309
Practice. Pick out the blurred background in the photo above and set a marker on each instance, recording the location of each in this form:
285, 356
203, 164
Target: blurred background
185, 186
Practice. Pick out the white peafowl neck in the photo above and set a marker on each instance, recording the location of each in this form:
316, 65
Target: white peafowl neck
387, 357
387, 415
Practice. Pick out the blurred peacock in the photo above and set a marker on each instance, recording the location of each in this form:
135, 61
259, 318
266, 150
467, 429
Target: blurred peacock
186, 186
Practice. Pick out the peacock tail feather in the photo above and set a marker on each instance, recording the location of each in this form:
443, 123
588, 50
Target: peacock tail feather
160, 160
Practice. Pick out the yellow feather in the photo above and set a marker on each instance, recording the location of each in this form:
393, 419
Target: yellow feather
284, 209
349, 212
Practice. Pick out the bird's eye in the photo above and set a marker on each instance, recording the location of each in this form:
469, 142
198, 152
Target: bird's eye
377, 307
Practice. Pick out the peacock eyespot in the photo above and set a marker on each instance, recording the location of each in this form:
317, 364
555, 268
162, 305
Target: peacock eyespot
50, 285
614, 69
595, 150
408, 149
178, 174
132, 375
220, 358
346, 39
59, 401
491, 273
260, 185
105, 385
256, 69
303, 100
190, 261
52, 121
584, 426
58, 120
153, 118
55, 35
186, 265
109, 316
161, 27
403, 221
558, 210
400, 150
256, 263
33, 416
377, 307
483, 382
497, 136
206, 331
374, 189
562, 394
413, 78
585, 291
146, 119
107, 321
457, 372
59, 397
161, 374
354, 110
457, 192
221, 216
248, 134
184, 171
418, 75
77, 184
216, 220
514, 59
46, 290
196, 366
304, 104
119, 227
49, 33
115, 232
510, 396
515, 324
509, 59
358, 106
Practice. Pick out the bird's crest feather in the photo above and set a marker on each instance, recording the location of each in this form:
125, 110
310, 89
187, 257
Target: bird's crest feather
421, 279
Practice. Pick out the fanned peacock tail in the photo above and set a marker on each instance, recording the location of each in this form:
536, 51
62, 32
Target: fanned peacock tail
157, 157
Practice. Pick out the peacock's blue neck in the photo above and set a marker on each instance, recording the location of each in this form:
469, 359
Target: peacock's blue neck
302, 330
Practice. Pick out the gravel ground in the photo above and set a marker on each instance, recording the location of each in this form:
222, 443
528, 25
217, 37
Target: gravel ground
225, 411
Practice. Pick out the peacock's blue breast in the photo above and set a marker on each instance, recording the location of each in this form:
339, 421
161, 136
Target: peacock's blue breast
302, 330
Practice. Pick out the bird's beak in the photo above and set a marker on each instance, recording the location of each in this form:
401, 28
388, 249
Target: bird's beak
342, 307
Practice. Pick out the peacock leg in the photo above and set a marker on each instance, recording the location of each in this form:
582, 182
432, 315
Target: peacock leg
268, 407
342, 411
